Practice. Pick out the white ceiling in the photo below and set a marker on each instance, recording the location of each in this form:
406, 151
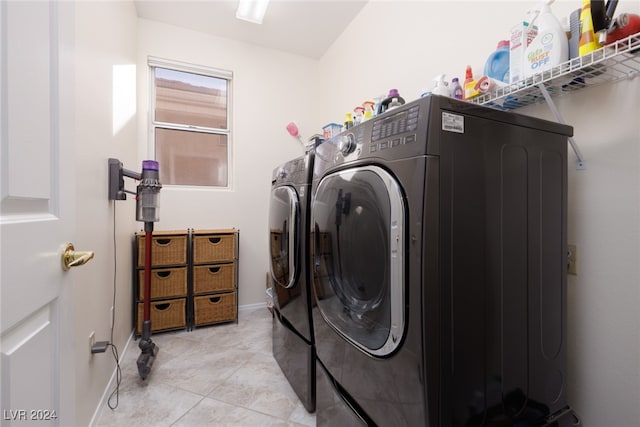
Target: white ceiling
301, 27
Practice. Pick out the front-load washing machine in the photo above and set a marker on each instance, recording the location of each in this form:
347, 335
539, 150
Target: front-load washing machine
293, 338
439, 269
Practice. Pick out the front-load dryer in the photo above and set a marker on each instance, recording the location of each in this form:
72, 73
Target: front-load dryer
293, 338
438, 269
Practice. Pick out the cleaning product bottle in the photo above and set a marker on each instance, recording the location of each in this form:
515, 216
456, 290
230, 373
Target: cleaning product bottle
368, 110
456, 88
358, 114
441, 86
497, 65
377, 103
550, 47
468, 82
588, 42
348, 121
384, 105
395, 103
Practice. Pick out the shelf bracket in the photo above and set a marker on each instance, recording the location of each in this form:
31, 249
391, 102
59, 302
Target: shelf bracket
581, 163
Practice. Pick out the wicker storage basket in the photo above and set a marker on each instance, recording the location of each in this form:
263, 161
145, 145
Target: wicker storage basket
276, 243
166, 314
165, 283
209, 248
213, 278
168, 248
215, 308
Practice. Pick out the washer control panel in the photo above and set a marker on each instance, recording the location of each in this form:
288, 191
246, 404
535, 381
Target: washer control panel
388, 131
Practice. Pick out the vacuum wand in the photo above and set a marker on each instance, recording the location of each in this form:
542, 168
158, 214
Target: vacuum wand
147, 197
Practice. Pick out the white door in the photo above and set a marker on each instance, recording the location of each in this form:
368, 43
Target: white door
37, 212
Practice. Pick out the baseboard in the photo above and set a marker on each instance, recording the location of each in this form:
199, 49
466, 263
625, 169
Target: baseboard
252, 307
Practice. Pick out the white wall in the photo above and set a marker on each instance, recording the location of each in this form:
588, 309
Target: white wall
404, 45
270, 89
106, 127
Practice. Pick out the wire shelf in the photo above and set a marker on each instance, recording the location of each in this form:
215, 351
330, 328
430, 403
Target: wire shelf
612, 62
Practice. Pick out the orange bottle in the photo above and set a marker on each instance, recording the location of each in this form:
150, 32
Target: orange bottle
468, 80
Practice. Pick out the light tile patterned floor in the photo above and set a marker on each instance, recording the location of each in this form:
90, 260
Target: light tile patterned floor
222, 375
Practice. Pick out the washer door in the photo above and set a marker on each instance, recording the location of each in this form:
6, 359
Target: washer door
358, 256
284, 218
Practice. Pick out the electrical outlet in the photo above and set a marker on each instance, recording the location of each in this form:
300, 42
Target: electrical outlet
571, 259
92, 339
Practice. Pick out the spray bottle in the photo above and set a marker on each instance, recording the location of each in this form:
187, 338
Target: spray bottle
368, 110
550, 47
441, 87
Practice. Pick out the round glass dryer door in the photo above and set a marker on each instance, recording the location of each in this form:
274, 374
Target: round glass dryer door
358, 252
284, 213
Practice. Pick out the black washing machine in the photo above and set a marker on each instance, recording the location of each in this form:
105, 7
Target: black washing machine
438, 249
293, 339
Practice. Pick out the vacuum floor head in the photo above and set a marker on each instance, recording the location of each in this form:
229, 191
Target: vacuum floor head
146, 359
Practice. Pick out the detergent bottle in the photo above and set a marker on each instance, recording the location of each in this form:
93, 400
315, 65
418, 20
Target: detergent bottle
497, 65
393, 97
550, 47
456, 88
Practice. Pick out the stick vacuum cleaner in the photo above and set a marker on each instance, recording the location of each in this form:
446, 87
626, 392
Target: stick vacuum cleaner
147, 211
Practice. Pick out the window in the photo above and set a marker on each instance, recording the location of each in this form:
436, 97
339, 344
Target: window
190, 121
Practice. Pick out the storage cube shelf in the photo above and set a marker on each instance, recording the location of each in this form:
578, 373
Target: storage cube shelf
213, 278
168, 248
215, 308
213, 247
165, 314
165, 283
194, 278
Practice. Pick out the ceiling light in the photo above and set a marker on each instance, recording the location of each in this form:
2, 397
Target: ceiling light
252, 10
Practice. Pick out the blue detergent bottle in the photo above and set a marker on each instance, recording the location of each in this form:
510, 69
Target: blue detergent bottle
497, 65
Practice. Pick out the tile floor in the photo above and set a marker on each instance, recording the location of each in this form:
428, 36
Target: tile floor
222, 375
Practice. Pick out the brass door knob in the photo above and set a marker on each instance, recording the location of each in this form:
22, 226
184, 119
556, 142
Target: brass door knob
73, 258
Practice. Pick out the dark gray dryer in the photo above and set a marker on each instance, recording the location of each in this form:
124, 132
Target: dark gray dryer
293, 340
439, 269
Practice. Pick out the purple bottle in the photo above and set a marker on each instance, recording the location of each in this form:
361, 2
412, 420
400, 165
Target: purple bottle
384, 105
